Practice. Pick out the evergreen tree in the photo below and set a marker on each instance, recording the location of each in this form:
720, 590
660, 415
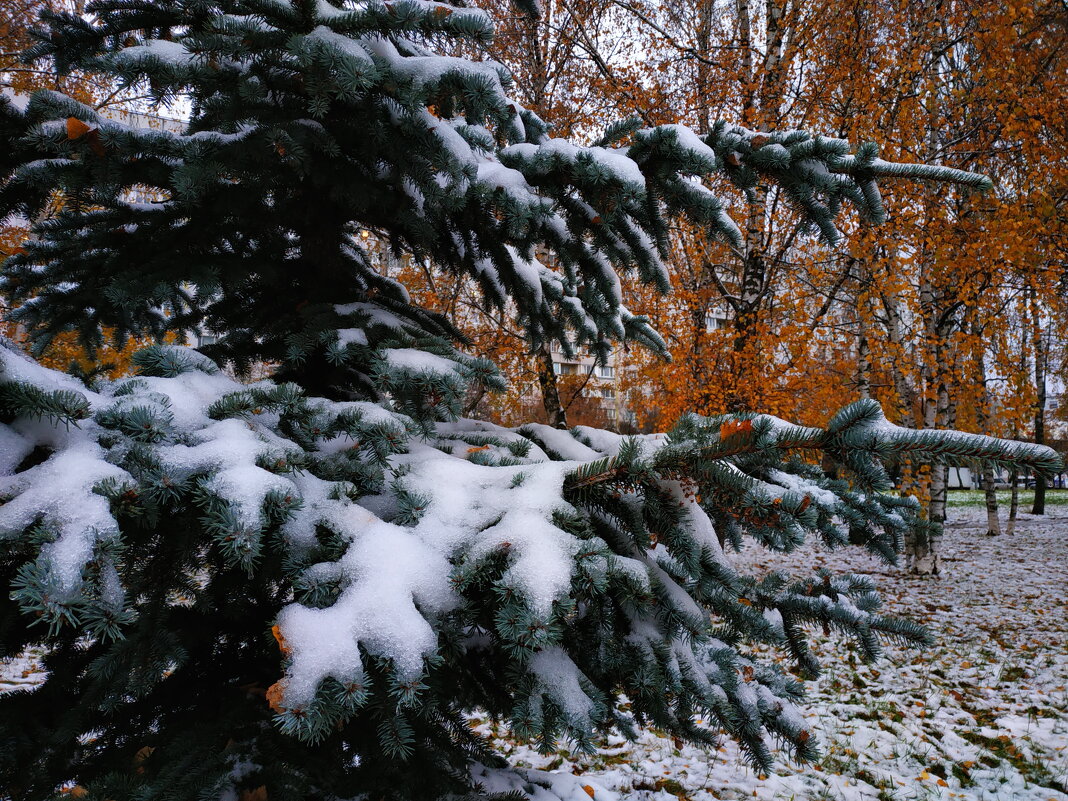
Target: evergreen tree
301, 585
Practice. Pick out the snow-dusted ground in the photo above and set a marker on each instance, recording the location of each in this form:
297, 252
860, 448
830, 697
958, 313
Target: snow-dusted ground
981, 715
22, 671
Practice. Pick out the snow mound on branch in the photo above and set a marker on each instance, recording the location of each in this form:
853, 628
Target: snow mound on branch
395, 578
58, 494
398, 577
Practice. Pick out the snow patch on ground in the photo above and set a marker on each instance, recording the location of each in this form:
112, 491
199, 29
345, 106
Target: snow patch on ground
981, 715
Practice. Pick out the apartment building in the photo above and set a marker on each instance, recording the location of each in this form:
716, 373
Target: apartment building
600, 383
604, 384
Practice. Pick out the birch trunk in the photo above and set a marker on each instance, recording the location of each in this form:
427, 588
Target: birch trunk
940, 472
993, 525
705, 16
863, 360
921, 547
860, 308
1041, 356
990, 496
761, 105
895, 331
1014, 503
909, 414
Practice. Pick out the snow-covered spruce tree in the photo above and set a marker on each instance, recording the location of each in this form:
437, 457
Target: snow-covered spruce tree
295, 589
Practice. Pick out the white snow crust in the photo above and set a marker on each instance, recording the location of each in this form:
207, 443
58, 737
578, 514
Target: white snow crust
890, 730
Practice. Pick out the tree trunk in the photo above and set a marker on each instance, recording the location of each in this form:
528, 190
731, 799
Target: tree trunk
937, 327
895, 331
705, 17
863, 356
763, 91
1014, 503
945, 412
550, 394
1041, 355
751, 280
538, 33
921, 547
993, 525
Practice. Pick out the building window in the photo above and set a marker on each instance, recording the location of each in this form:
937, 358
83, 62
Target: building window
608, 393
715, 319
606, 371
610, 413
206, 339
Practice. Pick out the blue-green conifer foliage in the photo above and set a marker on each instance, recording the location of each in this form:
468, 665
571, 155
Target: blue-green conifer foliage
303, 584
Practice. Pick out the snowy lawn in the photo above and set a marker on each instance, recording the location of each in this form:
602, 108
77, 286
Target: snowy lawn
981, 715
1054, 497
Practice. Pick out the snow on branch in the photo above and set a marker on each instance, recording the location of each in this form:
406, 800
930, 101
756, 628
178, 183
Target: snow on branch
570, 529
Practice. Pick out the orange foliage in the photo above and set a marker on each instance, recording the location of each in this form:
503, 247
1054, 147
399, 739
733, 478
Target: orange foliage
274, 696
940, 313
934, 313
494, 334
16, 17
65, 352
